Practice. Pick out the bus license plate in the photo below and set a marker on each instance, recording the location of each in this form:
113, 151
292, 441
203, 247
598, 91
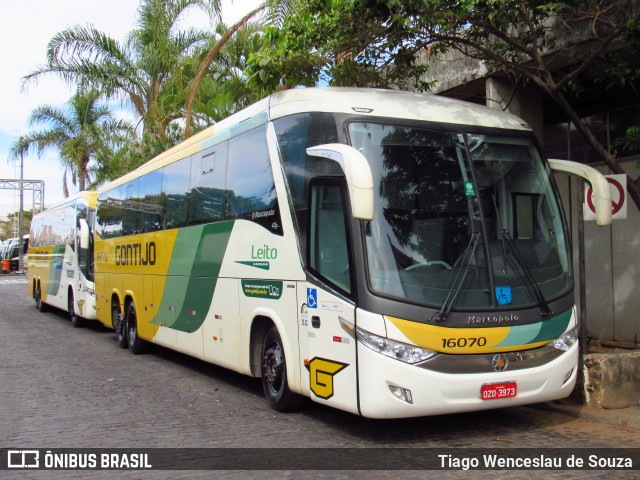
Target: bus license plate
496, 391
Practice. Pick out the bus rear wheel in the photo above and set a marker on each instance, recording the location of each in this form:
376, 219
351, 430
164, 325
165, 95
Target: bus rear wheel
118, 323
274, 374
40, 305
136, 344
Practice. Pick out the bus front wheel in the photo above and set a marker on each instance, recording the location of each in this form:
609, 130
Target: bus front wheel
274, 374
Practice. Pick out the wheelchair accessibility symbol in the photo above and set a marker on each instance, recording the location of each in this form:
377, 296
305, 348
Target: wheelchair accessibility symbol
312, 298
503, 295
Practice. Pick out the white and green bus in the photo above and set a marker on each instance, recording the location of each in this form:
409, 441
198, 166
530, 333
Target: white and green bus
61, 258
386, 253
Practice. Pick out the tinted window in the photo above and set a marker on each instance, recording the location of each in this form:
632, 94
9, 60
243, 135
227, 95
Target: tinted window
110, 214
295, 134
251, 192
329, 245
208, 175
130, 207
150, 201
175, 189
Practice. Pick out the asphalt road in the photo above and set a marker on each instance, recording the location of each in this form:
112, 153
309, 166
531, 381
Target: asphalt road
62, 387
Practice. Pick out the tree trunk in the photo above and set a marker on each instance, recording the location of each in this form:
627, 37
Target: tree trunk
633, 186
211, 54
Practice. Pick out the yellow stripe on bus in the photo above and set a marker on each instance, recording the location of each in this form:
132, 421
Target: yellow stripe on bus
458, 340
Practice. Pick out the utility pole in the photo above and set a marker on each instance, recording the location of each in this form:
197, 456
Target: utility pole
21, 213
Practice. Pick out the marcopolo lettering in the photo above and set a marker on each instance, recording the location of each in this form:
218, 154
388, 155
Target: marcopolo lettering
492, 319
136, 254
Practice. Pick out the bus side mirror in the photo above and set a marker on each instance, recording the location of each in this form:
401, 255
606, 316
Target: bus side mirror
601, 190
357, 173
84, 234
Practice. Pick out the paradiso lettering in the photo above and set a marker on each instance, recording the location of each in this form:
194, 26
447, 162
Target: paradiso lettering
136, 254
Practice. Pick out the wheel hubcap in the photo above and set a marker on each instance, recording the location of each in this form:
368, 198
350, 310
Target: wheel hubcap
272, 366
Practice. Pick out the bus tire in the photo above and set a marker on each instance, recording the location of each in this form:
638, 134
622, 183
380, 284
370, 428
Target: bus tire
274, 374
136, 344
118, 323
76, 320
40, 305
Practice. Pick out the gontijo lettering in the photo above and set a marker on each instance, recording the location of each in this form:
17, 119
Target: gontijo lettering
136, 254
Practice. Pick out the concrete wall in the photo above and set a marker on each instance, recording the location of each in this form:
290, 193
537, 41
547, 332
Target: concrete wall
612, 266
451, 69
612, 381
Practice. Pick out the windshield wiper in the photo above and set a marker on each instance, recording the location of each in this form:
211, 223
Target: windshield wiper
545, 311
458, 280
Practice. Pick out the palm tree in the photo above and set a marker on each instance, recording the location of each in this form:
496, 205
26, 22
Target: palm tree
83, 132
224, 89
136, 71
275, 11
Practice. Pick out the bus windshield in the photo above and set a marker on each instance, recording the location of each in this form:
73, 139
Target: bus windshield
463, 220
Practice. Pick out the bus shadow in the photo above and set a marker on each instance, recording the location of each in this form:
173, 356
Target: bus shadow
503, 427
458, 430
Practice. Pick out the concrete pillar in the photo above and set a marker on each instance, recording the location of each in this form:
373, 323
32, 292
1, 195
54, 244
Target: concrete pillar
523, 101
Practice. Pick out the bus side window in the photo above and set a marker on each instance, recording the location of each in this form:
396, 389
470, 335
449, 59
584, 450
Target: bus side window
251, 191
110, 212
175, 191
130, 208
295, 133
208, 176
150, 201
328, 241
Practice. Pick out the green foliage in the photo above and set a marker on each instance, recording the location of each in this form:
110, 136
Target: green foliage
377, 42
338, 43
224, 90
630, 142
8, 227
558, 46
141, 71
151, 71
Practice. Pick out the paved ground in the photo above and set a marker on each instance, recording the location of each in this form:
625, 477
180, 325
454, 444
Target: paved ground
62, 387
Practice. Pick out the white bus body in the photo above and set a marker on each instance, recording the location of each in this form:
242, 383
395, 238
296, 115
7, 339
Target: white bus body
386, 253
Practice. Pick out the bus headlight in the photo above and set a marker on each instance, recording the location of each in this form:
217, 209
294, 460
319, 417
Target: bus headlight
392, 348
566, 340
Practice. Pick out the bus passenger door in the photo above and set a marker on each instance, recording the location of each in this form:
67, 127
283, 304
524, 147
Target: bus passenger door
327, 311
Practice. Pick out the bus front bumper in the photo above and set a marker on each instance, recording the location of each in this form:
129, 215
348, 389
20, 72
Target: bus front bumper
389, 388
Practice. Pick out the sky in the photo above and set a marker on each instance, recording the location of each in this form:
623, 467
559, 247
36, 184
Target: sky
26, 26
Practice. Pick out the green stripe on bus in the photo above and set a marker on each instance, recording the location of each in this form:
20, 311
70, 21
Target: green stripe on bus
543, 331
56, 262
554, 327
204, 247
